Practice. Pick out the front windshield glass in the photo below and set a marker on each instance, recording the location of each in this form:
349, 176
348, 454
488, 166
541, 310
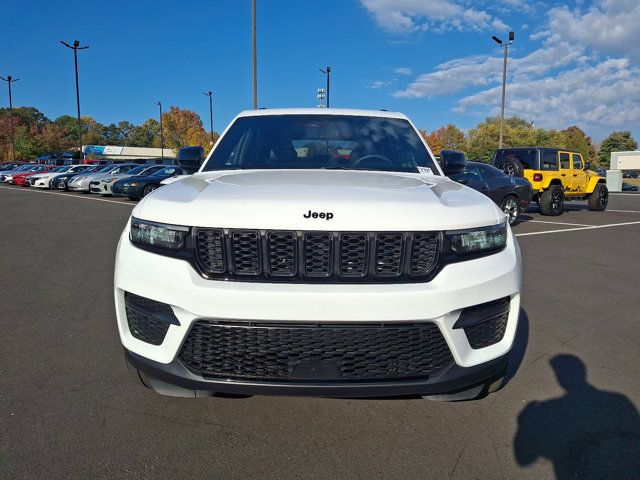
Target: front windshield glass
136, 170
166, 172
24, 168
321, 142
59, 169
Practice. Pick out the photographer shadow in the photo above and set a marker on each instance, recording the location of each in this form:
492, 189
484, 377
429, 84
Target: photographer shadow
586, 433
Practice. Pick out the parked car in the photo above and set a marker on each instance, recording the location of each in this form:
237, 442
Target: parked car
34, 178
59, 182
23, 178
139, 186
82, 183
44, 180
627, 187
556, 175
7, 177
512, 194
103, 186
318, 252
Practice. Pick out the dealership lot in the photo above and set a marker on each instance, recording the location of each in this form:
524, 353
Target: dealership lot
69, 410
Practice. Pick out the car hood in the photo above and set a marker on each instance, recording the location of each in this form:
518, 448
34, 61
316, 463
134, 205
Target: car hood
357, 200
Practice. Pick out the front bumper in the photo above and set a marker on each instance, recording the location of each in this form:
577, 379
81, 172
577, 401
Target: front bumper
174, 379
440, 301
127, 191
78, 187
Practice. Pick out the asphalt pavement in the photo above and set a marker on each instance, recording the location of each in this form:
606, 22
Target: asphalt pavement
68, 408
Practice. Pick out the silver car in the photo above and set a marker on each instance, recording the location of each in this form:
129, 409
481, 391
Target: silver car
103, 185
82, 183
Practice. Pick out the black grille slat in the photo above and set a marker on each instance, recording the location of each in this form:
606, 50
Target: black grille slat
354, 254
354, 353
388, 254
316, 256
282, 253
245, 252
424, 253
210, 250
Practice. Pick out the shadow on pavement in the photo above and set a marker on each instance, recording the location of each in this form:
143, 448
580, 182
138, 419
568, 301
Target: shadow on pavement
586, 433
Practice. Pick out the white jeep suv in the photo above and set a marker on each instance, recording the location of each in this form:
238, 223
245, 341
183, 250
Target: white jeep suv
318, 252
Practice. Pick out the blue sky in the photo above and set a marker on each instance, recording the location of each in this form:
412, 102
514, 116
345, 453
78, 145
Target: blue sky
573, 62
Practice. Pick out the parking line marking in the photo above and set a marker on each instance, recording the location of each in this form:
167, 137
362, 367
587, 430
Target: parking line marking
593, 227
560, 223
69, 195
624, 211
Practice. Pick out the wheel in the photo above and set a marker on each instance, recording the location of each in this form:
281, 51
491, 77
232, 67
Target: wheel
511, 209
552, 201
148, 189
511, 166
599, 198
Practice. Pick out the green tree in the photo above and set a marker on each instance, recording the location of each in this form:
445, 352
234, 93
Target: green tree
615, 142
576, 139
144, 135
484, 137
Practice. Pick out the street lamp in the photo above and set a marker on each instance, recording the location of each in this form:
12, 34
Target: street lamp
159, 103
327, 72
9, 81
504, 79
254, 55
210, 95
76, 46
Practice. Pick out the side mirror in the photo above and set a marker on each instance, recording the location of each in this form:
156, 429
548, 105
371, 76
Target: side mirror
452, 161
587, 165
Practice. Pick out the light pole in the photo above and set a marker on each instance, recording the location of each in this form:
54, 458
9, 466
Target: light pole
76, 46
161, 133
255, 58
210, 95
9, 81
504, 80
327, 72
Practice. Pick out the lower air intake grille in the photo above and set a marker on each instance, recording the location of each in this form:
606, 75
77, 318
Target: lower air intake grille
315, 353
486, 323
148, 320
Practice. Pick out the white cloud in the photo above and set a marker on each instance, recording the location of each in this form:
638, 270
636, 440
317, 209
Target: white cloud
598, 97
609, 26
404, 16
480, 70
403, 71
379, 84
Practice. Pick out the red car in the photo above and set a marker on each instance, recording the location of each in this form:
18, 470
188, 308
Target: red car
21, 178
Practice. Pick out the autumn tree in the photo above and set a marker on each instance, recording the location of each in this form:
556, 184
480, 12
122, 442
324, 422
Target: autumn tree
182, 128
433, 141
576, 139
615, 142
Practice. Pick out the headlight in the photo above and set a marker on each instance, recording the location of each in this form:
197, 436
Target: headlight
130, 184
478, 240
159, 235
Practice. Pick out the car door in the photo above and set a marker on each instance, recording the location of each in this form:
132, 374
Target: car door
578, 174
471, 177
499, 183
566, 171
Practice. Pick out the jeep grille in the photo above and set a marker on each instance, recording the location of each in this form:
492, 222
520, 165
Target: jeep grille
316, 256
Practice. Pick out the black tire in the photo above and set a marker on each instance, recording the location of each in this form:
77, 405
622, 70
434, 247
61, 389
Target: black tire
551, 201
599, 199
511, 166
148, 189
511, 209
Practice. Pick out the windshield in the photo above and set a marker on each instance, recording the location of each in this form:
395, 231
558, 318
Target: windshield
167, 172
23, 168
136, 170
321, 142
59, 169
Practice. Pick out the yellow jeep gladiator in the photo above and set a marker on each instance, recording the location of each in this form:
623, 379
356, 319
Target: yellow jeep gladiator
556, 175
